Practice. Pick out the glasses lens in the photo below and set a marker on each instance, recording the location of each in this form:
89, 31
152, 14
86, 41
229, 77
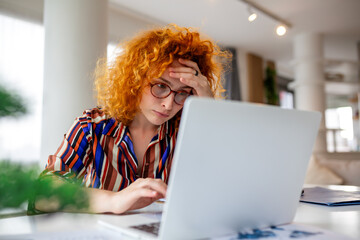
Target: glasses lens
160, 90
180, 97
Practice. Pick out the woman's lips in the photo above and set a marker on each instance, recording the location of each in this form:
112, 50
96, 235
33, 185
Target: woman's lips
160, 114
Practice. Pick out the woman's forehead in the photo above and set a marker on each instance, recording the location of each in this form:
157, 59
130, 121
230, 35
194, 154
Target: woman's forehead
173, 83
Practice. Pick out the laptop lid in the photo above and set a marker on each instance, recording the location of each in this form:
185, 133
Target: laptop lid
236, 166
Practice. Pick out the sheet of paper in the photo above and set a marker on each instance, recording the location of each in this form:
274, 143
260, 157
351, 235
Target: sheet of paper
289, 231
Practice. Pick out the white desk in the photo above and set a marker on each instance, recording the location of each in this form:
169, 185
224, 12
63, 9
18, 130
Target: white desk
344, 220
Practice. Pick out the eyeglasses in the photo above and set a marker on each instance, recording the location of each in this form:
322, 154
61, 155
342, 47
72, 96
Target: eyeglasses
161, 90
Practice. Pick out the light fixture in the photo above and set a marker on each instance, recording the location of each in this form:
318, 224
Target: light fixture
281, 28
252, 15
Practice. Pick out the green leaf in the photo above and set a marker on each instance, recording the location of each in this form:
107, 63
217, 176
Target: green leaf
11, 104
19, 184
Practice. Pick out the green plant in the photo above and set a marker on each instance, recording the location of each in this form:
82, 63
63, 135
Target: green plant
271, 94
11, 104
20, 183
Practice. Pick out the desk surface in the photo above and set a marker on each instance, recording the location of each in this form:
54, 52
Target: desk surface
344, 220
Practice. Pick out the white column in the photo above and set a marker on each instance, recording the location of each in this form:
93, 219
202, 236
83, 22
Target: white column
75, 37
309, 84
350, 71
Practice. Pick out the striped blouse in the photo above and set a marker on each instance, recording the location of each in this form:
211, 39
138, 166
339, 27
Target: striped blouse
99, 150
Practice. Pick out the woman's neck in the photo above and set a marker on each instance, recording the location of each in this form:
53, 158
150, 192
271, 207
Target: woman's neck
140, 123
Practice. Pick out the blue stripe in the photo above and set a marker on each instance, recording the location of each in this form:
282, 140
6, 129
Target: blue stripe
164, 158
99, 154
97, 182
66, 151
110, 123
78, 166
82, 148
98, 129
154, 138
99, 159
130, 146
122, 183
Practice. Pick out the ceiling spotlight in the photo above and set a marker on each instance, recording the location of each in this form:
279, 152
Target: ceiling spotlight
281, 30
252, 15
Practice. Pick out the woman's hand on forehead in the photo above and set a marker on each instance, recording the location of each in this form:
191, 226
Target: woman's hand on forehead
190, 75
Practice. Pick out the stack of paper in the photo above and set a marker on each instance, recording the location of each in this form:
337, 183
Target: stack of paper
324, 196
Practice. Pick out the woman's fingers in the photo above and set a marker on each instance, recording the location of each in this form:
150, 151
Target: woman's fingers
155, 185
139, 194
189, 74
183, 70
189, 63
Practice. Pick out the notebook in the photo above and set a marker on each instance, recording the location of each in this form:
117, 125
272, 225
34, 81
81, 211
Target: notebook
330, 197
236, 166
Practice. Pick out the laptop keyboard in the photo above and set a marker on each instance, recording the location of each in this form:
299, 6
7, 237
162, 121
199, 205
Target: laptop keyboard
152, 228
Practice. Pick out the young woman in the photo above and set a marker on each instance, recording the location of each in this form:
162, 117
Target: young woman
123, 150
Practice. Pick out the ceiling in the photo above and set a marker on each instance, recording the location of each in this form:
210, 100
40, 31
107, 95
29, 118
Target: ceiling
226, 22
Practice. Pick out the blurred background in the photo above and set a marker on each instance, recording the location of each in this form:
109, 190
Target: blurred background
48, 50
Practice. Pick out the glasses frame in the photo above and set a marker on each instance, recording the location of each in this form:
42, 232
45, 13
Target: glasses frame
171, 91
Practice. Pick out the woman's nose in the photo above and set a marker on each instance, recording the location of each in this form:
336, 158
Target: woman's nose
168, 102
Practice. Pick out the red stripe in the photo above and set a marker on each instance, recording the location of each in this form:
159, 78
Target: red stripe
123, 170
81, 136
75, 132
93, 178
73, 161
105, 173
112, 128
129, 156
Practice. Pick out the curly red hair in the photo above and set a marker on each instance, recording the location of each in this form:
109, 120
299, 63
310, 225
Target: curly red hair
119, 84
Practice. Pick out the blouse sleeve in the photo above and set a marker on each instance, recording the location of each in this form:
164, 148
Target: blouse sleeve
75, 152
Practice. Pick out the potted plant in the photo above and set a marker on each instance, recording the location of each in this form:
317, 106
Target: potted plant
20, 184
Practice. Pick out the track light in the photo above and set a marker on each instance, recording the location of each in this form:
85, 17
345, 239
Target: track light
252, 15
281, 30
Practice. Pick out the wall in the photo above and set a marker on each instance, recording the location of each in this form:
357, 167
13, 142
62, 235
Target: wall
241, 61
123, 23
31, 10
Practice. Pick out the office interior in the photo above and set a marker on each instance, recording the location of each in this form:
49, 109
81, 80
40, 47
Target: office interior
316, 64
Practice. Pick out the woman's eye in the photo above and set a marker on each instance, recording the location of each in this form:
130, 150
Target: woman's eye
159, 85
184, 94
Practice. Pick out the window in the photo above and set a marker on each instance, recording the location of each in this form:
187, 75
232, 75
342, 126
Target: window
286, 99
112, 51
340, 131
286, 96
21, 71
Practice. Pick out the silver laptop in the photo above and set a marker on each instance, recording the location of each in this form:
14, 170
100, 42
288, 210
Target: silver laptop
237, 166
